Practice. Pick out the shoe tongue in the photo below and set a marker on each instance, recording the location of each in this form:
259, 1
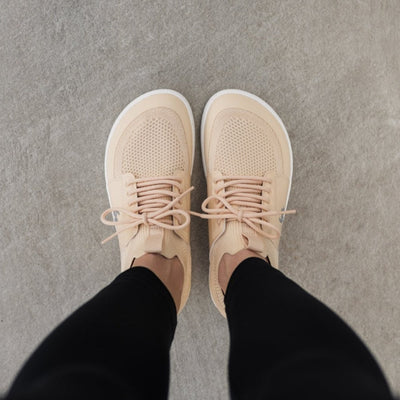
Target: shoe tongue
159, 240
153, 240
254, 241
148, 239
239, 236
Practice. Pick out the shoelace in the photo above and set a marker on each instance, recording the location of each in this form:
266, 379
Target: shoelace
156, 204
240, 198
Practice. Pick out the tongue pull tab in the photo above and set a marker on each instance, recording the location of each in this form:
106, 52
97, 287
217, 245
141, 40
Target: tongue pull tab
154, 240
253, 241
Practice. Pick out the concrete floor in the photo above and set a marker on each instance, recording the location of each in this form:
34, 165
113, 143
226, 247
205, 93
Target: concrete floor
331, 71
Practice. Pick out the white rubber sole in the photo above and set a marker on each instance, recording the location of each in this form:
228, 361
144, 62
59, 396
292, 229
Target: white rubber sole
132, 104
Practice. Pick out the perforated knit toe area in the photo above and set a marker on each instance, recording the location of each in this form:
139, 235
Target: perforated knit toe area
154, 144
245, 144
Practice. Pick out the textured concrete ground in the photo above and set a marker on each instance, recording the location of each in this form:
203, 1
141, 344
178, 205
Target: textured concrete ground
330, 69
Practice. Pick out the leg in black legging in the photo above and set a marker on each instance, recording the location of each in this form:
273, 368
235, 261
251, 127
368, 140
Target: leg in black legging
115, 346
285, 344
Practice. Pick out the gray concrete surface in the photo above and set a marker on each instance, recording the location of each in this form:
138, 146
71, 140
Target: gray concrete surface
330, 69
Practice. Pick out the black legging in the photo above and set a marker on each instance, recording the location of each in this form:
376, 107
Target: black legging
285, 344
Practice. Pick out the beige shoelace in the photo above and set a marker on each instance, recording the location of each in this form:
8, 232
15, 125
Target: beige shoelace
155, 204
240, 198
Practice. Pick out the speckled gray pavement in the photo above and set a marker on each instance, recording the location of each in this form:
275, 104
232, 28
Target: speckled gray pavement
330, 69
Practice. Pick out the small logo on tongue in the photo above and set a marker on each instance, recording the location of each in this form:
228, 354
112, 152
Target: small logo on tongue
115, 215
282, 217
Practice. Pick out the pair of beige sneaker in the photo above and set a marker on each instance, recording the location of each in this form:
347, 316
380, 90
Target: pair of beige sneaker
247, 161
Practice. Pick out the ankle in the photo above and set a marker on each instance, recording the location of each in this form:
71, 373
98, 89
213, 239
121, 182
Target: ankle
229, 263
168, 270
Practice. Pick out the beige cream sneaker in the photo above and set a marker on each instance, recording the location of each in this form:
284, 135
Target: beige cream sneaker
247, 159
148, 165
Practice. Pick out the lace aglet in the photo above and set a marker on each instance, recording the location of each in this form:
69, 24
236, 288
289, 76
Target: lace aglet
109, 238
